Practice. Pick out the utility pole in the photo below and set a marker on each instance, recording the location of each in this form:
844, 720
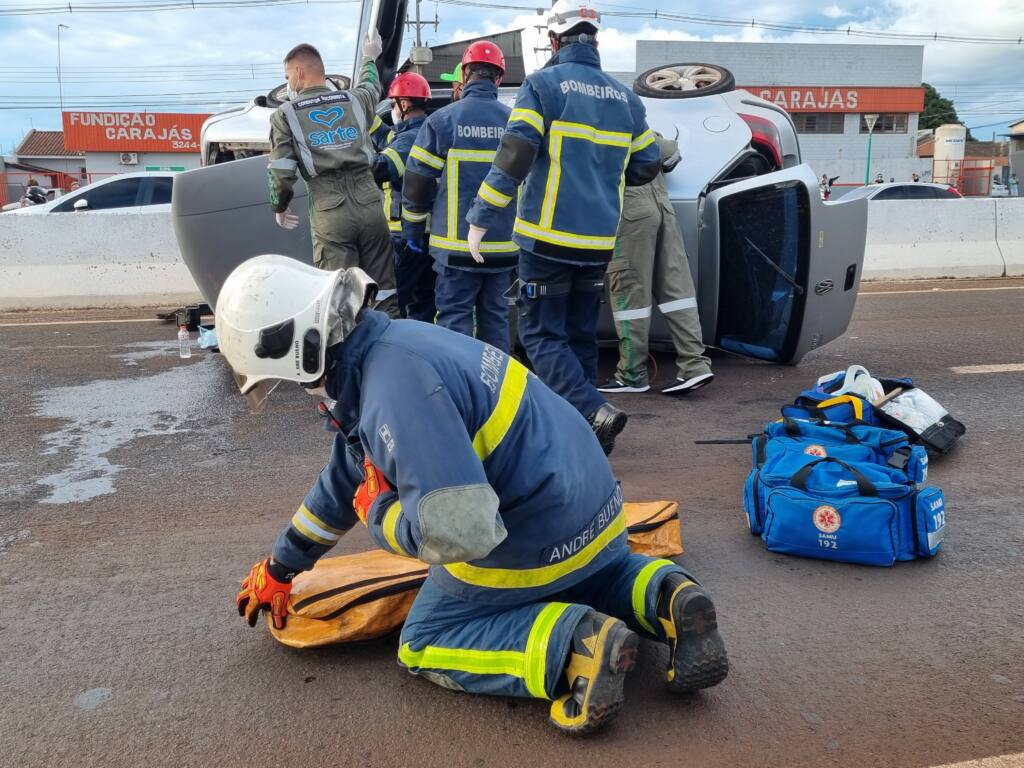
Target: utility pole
870, 121
421, 55
60, 80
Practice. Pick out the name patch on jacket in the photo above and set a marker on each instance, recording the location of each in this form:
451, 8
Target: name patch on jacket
480, 131
324, 98
591, 531
589, 89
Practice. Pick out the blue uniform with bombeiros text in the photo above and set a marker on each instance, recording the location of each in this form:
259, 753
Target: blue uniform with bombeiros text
452, 154
500, 486
575, 138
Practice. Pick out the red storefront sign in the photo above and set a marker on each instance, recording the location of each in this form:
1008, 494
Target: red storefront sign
132, 131
816, 98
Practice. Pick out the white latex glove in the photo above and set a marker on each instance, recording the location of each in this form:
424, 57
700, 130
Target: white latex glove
373, 46
286, 219
476, 236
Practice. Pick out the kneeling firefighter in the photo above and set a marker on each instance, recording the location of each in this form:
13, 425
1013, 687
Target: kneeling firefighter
452, 453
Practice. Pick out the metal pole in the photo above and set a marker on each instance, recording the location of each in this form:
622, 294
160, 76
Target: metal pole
60, 81
867, 169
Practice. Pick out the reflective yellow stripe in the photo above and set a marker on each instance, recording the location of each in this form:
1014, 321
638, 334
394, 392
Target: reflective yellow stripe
377, 123
504, 578
413, 217
395, 158
312, 527
473, 155
537, 648
497, 246
453, 199
426, 157
590, 133
389, 524
464, 660
642, 141
643, 580
394, 226
513, 386
558, 237
858, 405
528, 116
547, 211
490, 195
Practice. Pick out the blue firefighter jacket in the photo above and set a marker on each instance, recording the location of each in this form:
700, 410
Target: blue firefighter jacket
456, 146
501, 485
576, 136
389, 168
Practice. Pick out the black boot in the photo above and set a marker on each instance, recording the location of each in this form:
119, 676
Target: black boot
607, 421
603, 651
697, 657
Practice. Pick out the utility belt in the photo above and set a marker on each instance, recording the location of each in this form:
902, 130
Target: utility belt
535, 289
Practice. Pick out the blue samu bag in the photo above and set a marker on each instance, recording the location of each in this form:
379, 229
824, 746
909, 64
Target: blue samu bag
842, 493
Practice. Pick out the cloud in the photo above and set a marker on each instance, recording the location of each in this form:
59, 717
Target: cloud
835, 12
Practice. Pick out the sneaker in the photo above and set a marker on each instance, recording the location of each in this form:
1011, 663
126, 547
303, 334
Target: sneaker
603, 651
697, 657
614, 385
685, 386
607, 422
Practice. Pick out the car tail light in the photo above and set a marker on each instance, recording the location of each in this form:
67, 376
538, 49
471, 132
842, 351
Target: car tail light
955, 191
766, 136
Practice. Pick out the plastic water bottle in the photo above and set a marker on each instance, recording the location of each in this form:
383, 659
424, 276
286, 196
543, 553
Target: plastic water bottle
184, 343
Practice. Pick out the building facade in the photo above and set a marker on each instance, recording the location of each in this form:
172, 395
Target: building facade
828, 90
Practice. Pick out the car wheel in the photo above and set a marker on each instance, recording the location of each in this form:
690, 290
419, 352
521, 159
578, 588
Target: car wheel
279, 95
684, 81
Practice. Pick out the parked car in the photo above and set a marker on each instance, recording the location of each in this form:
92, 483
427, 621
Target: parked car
999, 189
138, 192
904, 190
776, 268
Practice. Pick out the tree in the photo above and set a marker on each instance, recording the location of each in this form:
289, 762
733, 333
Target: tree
938, 111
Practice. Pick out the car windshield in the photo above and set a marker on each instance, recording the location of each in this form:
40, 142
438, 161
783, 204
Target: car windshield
763, 236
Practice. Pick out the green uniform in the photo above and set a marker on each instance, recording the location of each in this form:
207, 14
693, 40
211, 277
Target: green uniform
649, 265
324, 136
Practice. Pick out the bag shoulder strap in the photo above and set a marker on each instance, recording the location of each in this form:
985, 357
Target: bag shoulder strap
864, 486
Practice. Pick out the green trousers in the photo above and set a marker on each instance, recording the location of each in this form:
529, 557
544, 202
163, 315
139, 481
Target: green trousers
650, 266
349, 229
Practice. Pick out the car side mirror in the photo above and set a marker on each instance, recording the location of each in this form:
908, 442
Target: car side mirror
81, 205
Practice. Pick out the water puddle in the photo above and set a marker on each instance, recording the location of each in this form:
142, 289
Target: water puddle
107, 414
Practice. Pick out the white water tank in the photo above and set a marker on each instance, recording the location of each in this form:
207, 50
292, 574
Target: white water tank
950, 142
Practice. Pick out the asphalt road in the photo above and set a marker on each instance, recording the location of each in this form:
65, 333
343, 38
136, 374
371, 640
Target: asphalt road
135, 492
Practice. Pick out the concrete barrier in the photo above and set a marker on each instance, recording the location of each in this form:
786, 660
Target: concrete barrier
99, 259
1010, 233
910, 239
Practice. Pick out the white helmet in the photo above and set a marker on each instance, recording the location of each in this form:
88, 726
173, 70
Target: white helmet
276, 317
565, 15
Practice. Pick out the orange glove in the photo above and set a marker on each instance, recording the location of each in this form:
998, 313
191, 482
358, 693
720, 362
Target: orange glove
261, 590
374, 484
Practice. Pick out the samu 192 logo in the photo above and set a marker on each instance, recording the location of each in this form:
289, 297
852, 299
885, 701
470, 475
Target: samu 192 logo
826, 519
816, 450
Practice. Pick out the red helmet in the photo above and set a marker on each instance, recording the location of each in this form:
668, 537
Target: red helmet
483, 52
409, 85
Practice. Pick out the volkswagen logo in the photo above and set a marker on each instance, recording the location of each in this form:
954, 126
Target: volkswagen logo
824, 287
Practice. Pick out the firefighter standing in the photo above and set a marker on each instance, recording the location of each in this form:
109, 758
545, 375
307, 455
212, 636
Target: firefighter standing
452, 453
650, 262
409, 93
574, 137
324, 136
452, 154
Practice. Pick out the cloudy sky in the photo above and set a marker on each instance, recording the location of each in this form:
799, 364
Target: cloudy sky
207, 59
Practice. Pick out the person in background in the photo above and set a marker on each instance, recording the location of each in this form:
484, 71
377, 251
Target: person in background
409, 93
879, 179
650, 263
447, 164
914, 177
325, 136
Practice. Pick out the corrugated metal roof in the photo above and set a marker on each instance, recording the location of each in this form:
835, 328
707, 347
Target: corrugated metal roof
44, 144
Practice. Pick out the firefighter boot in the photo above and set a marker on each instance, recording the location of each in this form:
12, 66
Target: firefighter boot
603, 650
697, 656
607, 421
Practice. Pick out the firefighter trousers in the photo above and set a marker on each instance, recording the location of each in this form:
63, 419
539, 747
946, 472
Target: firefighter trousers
469, 300
650, 266
521, 650
559, 329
